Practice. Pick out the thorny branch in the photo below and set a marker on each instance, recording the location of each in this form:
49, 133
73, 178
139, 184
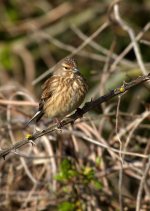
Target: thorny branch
78, 114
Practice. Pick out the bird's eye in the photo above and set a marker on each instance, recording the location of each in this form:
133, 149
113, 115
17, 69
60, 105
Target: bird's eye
66, 68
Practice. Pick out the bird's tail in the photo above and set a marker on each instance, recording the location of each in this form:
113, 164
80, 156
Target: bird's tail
35, 118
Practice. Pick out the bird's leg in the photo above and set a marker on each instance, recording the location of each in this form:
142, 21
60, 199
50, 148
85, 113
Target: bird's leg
58, 122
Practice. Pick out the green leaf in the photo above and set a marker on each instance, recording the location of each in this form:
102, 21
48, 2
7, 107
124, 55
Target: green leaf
98, 160
66, 206
65, 165
60, 177
88, 173
67, 171
5, 58
12, 14
97, 184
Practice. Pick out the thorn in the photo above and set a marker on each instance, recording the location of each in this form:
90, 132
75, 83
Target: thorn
88, 103
4, 156
124, 83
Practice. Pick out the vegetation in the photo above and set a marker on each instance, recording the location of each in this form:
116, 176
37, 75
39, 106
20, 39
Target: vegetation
101, 162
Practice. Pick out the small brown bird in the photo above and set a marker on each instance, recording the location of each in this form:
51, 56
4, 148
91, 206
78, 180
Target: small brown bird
63, 92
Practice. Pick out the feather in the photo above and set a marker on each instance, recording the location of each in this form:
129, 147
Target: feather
36, 117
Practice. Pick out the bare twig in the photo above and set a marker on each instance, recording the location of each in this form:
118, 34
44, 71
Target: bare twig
18, 103
105, 146
72, 49
121, 160
100, 48
39, 22
78, 114
139, 195
132, 37
129, 47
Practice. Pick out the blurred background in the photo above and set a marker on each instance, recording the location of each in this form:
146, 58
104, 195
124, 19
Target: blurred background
66, 171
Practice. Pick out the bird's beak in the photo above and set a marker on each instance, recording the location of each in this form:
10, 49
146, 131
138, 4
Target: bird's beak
75, 70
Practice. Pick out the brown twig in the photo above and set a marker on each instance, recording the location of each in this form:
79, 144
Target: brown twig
131, 33
42, 21
142, 182
18, 103
72, 49
78, 114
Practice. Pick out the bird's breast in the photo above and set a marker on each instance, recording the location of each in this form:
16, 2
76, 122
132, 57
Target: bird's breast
68, 93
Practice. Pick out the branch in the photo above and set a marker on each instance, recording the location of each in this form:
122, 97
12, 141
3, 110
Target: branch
131, 33
142, 182
78, 114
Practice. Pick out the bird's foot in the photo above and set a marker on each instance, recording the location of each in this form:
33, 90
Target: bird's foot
59, 123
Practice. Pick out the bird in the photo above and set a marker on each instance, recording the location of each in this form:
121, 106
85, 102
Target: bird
62, 93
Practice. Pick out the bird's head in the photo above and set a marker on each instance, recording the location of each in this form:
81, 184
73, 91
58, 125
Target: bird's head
66, 65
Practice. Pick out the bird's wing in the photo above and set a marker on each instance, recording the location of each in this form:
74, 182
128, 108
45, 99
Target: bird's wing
48, 89
46, 93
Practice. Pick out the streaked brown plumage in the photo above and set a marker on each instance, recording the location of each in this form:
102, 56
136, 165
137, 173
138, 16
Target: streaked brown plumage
63, 92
